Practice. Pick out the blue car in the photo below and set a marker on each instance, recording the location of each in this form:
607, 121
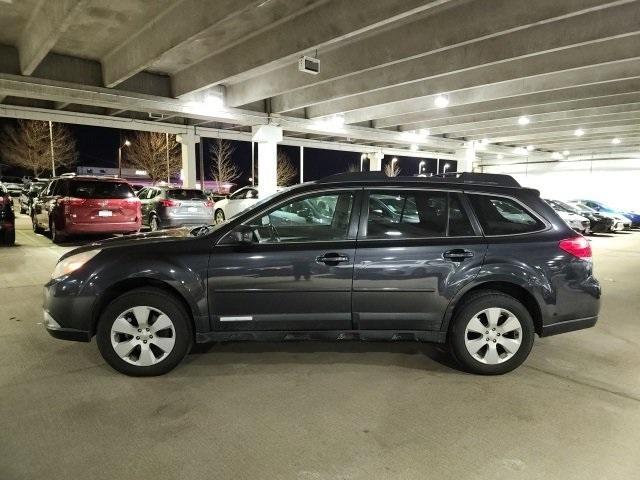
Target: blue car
601, 207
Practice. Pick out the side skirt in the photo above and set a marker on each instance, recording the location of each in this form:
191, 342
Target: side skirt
331, 335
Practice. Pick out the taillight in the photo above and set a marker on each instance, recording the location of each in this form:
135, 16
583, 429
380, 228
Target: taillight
69, 202
169, 203
208, 203
577, 246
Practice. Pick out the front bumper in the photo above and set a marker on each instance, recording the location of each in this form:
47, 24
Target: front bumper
56, 331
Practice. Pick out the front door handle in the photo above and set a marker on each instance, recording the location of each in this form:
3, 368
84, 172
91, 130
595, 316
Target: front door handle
332, 258
457, 254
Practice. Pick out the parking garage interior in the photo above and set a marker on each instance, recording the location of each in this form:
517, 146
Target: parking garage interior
546, 91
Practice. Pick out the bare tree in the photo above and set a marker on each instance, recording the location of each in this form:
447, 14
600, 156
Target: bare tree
353, 167
286, 172
223, 170
148, 151
28, 145
392, 169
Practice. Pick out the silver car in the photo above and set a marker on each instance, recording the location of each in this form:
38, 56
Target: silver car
167, 207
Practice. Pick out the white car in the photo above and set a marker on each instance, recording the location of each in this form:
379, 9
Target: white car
577, 222
235, 203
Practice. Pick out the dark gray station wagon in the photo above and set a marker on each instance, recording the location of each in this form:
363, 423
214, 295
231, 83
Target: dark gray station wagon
472, 260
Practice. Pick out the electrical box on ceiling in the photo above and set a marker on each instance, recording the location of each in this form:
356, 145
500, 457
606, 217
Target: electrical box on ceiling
309, 65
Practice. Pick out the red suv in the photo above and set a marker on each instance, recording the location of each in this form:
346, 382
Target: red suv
86, 205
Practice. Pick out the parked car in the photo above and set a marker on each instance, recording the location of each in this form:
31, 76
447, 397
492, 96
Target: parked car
598, 223
478, 280
633, 219
7, 218
74, 205
13, 185
165, 206
29, 192
576, 221
619, 222
235, 203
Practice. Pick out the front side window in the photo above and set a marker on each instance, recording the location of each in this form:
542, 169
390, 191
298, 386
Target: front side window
503, 216
416, 214
318, 217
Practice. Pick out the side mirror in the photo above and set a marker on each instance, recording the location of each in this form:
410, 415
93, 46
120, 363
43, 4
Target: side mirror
243, 235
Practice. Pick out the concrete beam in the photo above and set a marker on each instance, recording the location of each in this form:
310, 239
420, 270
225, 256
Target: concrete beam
332, 21
180, 24
32, 88
435, 33
539, 137
47, 23
575, 31
615, 89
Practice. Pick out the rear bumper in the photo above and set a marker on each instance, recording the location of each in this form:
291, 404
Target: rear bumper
568, 326
171, 221
84, 228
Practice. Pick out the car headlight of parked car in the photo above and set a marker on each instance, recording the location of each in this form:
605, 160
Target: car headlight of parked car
73, 263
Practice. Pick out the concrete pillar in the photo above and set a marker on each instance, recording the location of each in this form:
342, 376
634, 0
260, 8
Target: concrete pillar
375, 161
188, 141
267, 137
466, 157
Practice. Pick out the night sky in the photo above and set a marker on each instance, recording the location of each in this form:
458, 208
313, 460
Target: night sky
98, 147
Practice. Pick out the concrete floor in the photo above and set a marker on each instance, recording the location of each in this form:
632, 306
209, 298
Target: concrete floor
319, 410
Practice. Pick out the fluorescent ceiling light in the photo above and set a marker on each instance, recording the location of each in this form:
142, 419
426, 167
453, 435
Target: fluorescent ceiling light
556, 156
616, 141
530, 148
520, 151
566, 153
524, 120
500, 156
441, 101
579, 132
334, 123
414, 147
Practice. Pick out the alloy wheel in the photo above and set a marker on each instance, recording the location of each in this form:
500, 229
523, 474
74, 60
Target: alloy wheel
493, 335
143, 336
154, 224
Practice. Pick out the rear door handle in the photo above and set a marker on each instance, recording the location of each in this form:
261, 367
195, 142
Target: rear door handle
332, 258
457, 254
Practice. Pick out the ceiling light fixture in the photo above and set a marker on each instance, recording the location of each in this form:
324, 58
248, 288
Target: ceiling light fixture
566, 153
556, 156
441, 101
616, 141
524, 120
579, 132
414, 147
530, 148
500, 156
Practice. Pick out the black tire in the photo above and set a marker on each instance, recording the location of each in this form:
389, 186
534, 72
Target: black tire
8, 237
476, 303
219, 213
156, 299
35, 226
154, 223
56, 236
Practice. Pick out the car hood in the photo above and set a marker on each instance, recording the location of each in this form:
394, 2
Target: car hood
161, 236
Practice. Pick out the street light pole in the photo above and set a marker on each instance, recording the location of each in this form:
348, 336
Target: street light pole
53, 161
125, 144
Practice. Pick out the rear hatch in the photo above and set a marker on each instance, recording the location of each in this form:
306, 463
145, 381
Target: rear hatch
100, 201
185, 202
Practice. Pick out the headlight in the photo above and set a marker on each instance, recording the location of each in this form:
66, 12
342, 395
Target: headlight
73, 263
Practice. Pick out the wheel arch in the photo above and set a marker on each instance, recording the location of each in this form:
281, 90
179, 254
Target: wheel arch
519, 292
128, 284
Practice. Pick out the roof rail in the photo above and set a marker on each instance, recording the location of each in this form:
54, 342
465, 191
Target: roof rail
451, 177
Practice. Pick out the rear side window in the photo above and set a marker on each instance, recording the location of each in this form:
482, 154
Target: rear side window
186, 194
503, 216
416, 214
98, 189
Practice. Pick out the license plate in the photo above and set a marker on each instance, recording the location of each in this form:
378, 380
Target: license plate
192, 209
105, 213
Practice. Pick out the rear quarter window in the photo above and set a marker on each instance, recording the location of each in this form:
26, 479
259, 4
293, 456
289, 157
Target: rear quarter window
503, 216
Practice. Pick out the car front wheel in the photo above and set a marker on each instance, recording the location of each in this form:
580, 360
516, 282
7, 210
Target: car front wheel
154, 223
144, 332
491, 334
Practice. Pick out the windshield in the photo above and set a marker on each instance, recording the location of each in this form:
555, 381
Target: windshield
98, 189
186, 194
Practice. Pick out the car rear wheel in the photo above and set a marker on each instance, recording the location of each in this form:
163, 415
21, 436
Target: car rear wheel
34, 224
219, 216
8, 237
56, 236
144, 332
154, 223
491, 334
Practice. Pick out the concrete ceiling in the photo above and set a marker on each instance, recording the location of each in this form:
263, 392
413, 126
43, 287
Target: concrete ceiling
564, 64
